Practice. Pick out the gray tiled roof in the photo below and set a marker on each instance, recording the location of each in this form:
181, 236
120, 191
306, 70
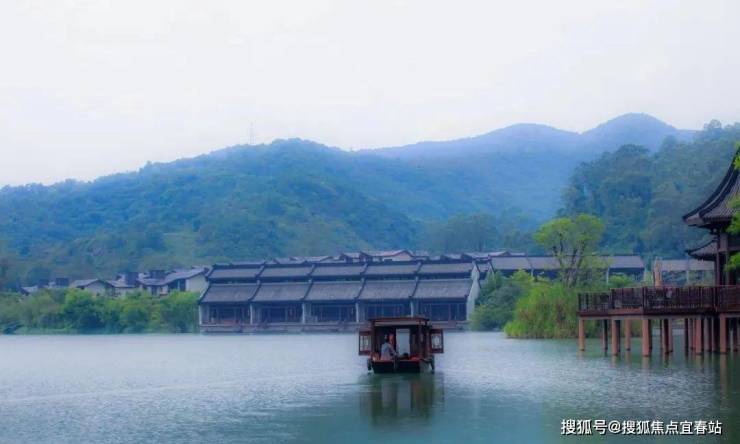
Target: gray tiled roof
395, 289
543, 262
337, 270
80, 283
281, 292
391, 269
301, 271
443, 289
229, 292
717, 207
704, 251
120, 283
510, 263
173, 276
334, 291
183, 274
446, 268
385, 253
249, 272
671, 265
624, 261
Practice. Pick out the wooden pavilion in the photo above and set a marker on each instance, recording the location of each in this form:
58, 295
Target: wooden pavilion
709, 314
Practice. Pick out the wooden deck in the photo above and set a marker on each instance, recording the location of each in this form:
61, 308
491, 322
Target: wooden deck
656, 301
709, 316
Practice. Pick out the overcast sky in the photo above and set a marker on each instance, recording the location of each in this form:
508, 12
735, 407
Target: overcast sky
91, 88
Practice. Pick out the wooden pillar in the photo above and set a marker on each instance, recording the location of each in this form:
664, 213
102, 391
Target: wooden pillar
734, 334
698, 348
615, 337
628, 334
712, 334
604, 332
661, 331
706, 332
669, 334
646, 337
581, 334
686, 336
722, 334
666, 336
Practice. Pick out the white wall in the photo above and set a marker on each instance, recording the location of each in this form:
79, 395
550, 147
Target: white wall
196, 284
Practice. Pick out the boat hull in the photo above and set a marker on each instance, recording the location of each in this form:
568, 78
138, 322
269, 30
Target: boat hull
401, 366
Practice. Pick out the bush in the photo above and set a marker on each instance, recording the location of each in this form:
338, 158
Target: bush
82, 311
179, 312
498, 299
548, 310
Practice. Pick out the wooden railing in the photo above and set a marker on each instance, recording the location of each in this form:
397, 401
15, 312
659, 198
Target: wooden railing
694, 298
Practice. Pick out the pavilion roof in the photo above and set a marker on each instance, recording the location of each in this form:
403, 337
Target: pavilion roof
705, 251
717, 208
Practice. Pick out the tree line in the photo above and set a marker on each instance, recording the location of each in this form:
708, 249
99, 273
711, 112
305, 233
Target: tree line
78, 311
525, 306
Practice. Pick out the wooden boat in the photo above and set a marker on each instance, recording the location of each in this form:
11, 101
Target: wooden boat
413, 340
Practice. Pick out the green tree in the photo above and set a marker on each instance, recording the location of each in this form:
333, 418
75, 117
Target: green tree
572, 241
82, 311
137, 312
179, 312
41, 311
548, 310
498, 299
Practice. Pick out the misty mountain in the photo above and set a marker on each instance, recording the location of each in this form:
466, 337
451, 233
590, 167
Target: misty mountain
634, 128
294, 197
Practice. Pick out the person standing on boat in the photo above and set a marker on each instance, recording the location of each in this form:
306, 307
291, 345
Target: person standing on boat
386, 350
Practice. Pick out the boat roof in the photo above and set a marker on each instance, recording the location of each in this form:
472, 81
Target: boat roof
399, 321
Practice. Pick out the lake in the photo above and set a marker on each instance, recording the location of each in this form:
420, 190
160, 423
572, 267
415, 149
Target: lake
314, 388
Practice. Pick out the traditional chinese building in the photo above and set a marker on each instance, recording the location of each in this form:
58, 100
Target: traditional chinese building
336, 296
715, 215
710, 314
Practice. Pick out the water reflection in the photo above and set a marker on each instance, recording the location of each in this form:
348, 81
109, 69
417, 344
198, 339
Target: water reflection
401, 397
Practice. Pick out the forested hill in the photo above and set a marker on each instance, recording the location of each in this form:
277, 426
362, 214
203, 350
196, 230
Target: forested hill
641, 195
291, 197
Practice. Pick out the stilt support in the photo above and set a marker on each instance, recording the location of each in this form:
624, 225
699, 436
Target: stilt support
707, 334
686, 336
604, 332
698, 349
646, 337
615, 337
581, 334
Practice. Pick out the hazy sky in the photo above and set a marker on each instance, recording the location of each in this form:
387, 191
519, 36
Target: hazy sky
90, 88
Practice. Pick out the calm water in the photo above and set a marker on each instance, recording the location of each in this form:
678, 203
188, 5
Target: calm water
314, 388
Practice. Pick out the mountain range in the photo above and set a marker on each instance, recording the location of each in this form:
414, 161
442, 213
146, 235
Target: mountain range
297, 197
634, 128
